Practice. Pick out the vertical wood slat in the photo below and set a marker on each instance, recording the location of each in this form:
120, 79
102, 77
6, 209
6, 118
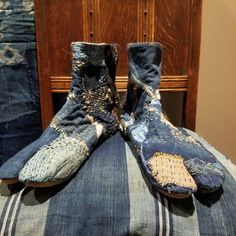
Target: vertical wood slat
86, 20
145, 24
195, 41
43, 63
91, 21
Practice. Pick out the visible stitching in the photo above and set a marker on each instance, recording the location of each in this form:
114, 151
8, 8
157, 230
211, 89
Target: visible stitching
49, 154
96, 101
169, 169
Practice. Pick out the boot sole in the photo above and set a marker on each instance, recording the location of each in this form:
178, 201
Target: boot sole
10, 181
46, 184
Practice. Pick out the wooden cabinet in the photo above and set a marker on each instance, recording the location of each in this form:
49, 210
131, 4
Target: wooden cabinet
174, 23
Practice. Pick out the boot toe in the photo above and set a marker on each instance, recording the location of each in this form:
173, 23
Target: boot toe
50, 167
208, 176
169, 175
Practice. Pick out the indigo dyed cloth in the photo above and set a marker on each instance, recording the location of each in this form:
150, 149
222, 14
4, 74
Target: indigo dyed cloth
110, 195
19, 97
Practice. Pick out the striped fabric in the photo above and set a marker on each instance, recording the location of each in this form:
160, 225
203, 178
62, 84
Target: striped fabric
110, 196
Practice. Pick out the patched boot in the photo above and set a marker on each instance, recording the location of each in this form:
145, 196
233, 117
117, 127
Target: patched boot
175, 163
88, 115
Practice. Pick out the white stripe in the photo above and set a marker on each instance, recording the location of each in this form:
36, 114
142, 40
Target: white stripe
3, 199
185, 221
6, 216
142, 204
14, 213
36, 212
167, 216
160, 214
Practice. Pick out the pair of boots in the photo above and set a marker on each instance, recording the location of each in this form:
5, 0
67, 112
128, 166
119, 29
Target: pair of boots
173, 161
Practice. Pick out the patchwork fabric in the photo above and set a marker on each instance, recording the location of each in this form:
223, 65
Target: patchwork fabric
111, 195
49, 163
10, 169
87, 115
151, 133
20, 120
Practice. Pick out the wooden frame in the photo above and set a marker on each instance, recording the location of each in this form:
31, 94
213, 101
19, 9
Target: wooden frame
176, 24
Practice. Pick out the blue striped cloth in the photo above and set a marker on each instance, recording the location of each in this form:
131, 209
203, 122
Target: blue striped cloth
110, 196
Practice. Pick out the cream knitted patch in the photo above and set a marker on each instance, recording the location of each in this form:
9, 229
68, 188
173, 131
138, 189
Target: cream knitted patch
170, 169
55, 161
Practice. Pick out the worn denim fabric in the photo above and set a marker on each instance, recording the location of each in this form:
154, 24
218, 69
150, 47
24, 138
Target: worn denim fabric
152, 133
11, 168
76, 128
19, 88
17, 21
20, 121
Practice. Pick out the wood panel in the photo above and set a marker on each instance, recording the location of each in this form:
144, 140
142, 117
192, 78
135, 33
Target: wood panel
64, 26
174, 23
168, 83
193, 70
43, 62
110, 30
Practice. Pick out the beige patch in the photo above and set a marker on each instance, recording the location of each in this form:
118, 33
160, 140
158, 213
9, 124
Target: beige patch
15, 57
99, 129
28, 6
170, 169
71, 96
91, 118
55, 124
4, 5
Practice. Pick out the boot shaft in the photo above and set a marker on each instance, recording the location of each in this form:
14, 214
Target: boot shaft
145, 61
145, 64
92, 95
93, 65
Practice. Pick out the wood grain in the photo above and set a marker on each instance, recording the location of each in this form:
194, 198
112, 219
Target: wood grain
172, 24
193, 70
168, 83
43, 62
64, 23
176, 24
118, 24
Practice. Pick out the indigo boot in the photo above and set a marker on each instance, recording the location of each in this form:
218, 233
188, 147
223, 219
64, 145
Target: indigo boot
175, 164
88, 115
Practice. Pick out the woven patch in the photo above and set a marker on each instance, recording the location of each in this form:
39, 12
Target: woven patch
55, 161
169, 169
